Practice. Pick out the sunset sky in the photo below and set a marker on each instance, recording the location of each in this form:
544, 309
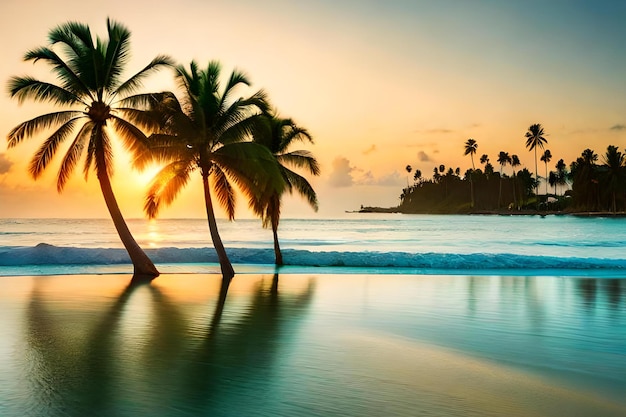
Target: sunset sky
379, 84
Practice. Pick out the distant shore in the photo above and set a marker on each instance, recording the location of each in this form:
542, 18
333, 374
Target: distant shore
500, 212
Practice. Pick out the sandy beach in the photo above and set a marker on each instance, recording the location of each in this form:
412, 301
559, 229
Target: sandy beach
312, 345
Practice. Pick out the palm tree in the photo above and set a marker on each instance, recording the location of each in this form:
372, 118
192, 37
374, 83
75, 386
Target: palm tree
90, 89
408, 168
614, 174
514, 164
417, 175
561, 172
534, 139
208, 131
503, 159
584, 174
545, 158
278, 134
470, 149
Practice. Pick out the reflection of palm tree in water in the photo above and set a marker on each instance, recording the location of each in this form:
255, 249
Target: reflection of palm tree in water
239, 359
87, 371
109, 370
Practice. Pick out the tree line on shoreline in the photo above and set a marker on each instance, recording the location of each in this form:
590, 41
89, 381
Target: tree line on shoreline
206, 126
594, 183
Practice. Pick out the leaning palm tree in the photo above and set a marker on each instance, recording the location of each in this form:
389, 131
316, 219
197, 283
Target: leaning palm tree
470, 149
208, 131
90, 88
535, 139
546, 157
277, 135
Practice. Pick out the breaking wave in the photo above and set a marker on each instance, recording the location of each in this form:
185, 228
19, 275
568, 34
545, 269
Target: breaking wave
12, 257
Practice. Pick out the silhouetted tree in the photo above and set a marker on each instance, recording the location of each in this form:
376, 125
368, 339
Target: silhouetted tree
208, 132
535, 139
90, 76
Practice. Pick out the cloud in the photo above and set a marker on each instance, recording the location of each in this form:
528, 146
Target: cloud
368, 178
423, 156
618, 127
436, 131
369, 150
345, 175
341, 174
5, 164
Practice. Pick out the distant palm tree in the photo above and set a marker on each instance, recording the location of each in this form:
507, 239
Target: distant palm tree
470, 149
484, 159
90, 87
614, 174
417, 175
561, 172
546, 158
503, 159
514, 164
535, 139
553, 180
208, 132
585, 184
278, 134
408, 168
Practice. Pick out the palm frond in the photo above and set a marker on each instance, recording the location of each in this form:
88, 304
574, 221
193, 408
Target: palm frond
165, 186
251, 167
91, 152
134, 82
303, 187
133, 139
48, 149
294, 133
300, 159
30, 127
163, 148
224, 192
74, 35
72, 155
24, 88
236, 78
71, 80
116, 55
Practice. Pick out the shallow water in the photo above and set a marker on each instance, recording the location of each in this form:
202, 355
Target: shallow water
313, 345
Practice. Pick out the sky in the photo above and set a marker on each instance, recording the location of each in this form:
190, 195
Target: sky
379, 85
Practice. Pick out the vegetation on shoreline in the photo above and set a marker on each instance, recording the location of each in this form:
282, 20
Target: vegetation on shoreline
592, 184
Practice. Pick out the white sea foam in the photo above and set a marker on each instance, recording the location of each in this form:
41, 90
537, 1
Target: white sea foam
48, 255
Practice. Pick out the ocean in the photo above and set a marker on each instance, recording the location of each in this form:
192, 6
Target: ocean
375, 314
372, 243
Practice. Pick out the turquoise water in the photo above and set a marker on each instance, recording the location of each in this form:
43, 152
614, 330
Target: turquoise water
507, 245
313, 345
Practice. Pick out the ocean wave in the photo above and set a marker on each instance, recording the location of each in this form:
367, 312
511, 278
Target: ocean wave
45, 254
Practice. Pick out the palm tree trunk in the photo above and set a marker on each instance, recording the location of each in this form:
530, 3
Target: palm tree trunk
500, 191
515, 190
536, 180
277, 253
144, 269
227, 268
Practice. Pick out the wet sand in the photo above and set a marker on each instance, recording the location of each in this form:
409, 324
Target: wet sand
313, 345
